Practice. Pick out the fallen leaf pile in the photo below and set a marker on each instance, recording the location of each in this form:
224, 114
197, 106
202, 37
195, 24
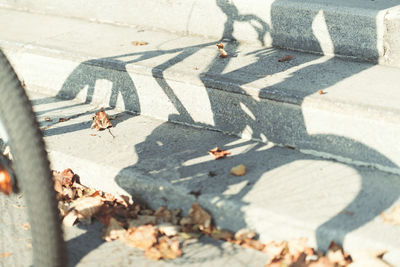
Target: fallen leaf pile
161, 233
222, 52
101, 120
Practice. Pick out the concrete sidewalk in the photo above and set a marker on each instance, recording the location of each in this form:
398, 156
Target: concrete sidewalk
285, 194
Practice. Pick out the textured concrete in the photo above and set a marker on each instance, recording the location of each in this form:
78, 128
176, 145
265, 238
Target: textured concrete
356, 28
285, 193
182, 79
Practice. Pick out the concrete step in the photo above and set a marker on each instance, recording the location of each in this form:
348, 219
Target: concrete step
365, 30
285, 194
182, 79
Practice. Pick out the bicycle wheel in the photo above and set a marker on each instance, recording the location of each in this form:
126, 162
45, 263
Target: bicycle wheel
31, 168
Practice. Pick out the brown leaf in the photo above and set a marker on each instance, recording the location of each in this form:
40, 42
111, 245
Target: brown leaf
219, 153
244, 233
239, 170
142, 237
114, 230
87, 207
392, 216
153, 254
101, 120
63, 119
143, 220
169, 248
65, 178
5, 254
274, 250
336, 255
70, 219
321, 262
222, 52
139, 43
163, 214
198, 216
286, 58
26, 226
254, 244
222, 235
5, 181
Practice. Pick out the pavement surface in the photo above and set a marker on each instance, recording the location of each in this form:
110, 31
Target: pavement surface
285, 194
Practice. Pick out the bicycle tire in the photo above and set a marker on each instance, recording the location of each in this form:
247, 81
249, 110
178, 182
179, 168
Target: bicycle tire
32, 169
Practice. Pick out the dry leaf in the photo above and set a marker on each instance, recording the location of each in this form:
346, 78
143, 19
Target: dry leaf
65, 178
198, 216
274, 250
392, 216
5, 254
153, 254
239, 170
321, 92
169, 229
143, 220
286, 58
321, 262
101, 120
254, 244
142, 237
222, 235
219, 153
222, 52
87, 207
244, 233
63, 119
26, 226
336, 255
138, 43
163, 214
169, 247
5, 181
70, 219
114, 230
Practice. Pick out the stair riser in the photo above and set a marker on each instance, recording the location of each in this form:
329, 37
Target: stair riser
353, 136
364, 33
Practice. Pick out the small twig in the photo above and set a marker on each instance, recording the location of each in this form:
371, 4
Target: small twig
110, 133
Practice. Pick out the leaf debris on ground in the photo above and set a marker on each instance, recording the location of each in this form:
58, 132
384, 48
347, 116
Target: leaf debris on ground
393, 216
139, 43
162, 233
286, 58
101, 120
222, 52
218, 153
238, 170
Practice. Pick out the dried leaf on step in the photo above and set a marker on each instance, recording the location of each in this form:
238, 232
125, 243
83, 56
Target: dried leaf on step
392, 216
239, 170
142, 237
222, 52
336, 255
286, 58
114, 230
244, 233
222, 234
101, 120
275, 250
138, 43
87, 207
254, 244
143, 220
63, 119
65, 178
218, 153
70, 219
5, 181
198, 216
169, 248
163, 215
